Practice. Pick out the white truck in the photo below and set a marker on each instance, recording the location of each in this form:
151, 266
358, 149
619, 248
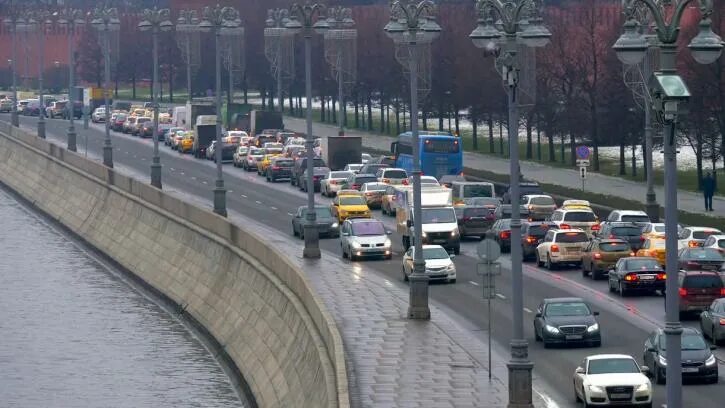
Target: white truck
439, 223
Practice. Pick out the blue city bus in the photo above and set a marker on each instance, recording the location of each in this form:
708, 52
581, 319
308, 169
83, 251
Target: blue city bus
441, 153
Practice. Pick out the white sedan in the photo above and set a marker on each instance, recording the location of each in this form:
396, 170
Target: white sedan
438, 263
612, 379
333, 182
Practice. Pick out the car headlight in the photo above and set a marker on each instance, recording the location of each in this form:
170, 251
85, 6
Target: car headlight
662, 360
552, 329
388, 243
334, 225
711, 360
596, 389
356, 245
424, 234
454, 233
451, 267
644, 387
593, 328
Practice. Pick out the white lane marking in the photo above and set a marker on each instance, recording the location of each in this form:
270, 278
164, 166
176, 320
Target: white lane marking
172, 169
243, 195
182, 173
473, 283
204, 182
126, 152
258, 202
273, 208
290, 214
193, 178
500, 296
143, 159
134, 156
527, 310
230, 191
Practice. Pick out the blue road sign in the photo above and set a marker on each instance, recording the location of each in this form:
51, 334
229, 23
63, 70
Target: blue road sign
583, 152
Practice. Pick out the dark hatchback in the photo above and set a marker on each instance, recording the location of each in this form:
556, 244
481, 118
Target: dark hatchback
280, 168
531, 233
637, 273
700, 259
325, 222
697, 290
356, 181
628, 232
318, 173
501, 231
566, 321
474, 220
698, 362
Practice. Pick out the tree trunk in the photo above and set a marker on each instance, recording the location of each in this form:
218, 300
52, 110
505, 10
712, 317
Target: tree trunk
291, 105
500, 137
563, 148
387, 118
405, 121
370, 112
572, 149
552, 146
457, 120
440, 118
622, 166
322, 109
424, 113
263, 95
382, 113
529, 140
644, 160
474, 124
595, 138
397, 116
362, 115
698, 158
634, 159
491, 142
133, 85
538, 139
333, 107
357, 114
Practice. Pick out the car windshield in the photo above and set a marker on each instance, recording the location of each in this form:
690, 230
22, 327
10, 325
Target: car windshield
614, 247
320, 212
580, 216
690, 341
626, 231
635, 218
274, 150
352, 200
256, 152
243, 150
363, 180
375, 187
435, 253
373, 168
658, 228
612, 366
360, 229
538, 230
542, 201
702, 281
284, 163
484, 201
476, 212
477, 190
704, 234
567, 309
340, 174
354, 166
395, 174
572, 237
704, 254
634, 264
438, 216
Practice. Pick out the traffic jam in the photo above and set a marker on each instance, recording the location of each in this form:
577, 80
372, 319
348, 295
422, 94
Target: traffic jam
365, 204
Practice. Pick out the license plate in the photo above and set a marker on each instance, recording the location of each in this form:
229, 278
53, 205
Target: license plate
439, 241
690, 369
620, 396
646, 277
574, 337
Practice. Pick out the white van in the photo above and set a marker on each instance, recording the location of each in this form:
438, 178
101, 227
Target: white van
465, 190
178, 118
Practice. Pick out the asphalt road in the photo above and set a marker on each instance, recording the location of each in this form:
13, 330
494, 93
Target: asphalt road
625, 322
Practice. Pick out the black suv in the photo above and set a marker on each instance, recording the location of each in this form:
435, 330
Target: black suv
698, 362
301, 165
531, 233
281, 167
628, 232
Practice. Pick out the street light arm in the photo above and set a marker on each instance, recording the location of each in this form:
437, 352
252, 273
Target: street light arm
412, 11
509, 11
307, 12
666, 32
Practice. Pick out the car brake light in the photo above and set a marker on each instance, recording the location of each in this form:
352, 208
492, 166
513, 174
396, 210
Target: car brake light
642, 239
386, 180
611, 236
466, 218
596, 227
555, 248
405, 182
693, 244
692, 263
597, 255
631, 277
531, 239
722, 322
661, 276
631, 254
531, 207
722, 292
682, 292
505, 234
275, 167
356, 186
565, 226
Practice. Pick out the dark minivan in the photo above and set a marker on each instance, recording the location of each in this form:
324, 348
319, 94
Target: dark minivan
531, 233
299, 168
697, 290
474, 220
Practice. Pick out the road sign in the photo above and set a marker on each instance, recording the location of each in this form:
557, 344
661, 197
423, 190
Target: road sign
583, 152
583, 172
488, 250
582, 163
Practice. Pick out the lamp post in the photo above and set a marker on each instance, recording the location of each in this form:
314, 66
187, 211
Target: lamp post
216, 19
105, 20
37, 20
520, 25
276, 37
411, 24
15, 21
188, 26
305, 19
669, 94
341, 53
71, 19
155, 20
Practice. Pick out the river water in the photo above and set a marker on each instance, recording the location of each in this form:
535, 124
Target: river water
74, 334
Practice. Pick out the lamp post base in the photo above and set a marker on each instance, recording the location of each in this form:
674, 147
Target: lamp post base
156, 173
72, 139
652, 208
418, 306
312, 242
41, 129
108, 156
519, 371
220, 200
15, 119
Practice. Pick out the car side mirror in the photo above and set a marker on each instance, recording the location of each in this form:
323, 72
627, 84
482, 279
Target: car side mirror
539, 242
579, 370
651, 349
595, 313
713, 347
388, 232
452, 256
538, 315
644, 370
409, 223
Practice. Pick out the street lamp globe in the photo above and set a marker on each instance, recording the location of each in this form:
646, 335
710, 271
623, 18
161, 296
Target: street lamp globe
430, 30
394, 29
535, 35
144, 25
485, 35
293, 25
707, 46
321, 25
632, 45
205, 26
166, 25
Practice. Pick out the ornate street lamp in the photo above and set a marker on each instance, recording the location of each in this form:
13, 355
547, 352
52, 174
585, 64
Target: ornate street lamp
187, 34
38, 20
279, 49
216, 20
71, 19
306, 19
412, 25
669, 97
155, 20
105, 21
520, 24
341, 54
15, 21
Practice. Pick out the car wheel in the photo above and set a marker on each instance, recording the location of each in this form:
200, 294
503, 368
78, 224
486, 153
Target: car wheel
584, 272
576, 395
405, 275
597, 343
457, 250
294, 231
659, 378
302, 233
546, 343
595, 273
344, 254
549, 264
451, 280
622, 291
536, 335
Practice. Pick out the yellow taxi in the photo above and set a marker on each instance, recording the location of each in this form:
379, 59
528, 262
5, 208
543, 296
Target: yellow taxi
187, 142
655, 248
350, 206
265, 163
138, 112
